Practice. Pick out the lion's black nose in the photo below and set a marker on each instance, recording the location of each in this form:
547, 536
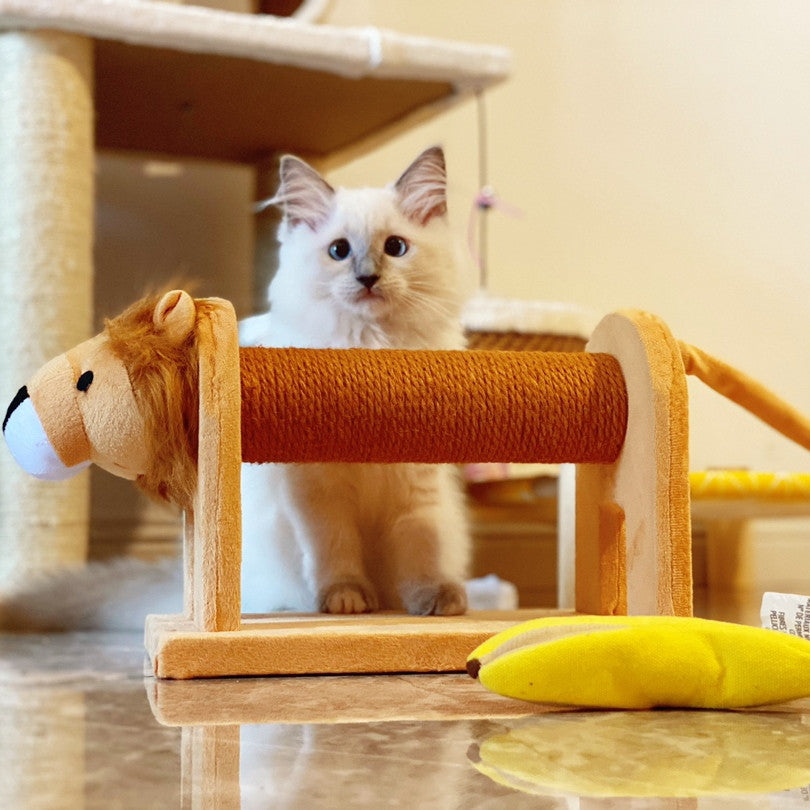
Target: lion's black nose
19, 397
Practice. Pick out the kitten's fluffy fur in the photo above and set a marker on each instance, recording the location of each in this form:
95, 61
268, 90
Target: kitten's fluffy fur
342, 538
346, 538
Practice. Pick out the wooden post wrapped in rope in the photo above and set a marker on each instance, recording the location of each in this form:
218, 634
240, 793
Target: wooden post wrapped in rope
46, 279
300, 405
386, 406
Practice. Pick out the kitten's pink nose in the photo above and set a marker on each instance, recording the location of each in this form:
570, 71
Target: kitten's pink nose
368, 281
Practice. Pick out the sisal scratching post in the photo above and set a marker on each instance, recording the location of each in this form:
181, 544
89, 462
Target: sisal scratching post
46, 235
386, 406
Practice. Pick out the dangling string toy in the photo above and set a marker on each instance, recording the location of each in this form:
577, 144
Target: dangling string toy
485, 200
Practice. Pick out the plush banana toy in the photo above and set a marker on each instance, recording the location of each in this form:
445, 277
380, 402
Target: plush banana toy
641, 662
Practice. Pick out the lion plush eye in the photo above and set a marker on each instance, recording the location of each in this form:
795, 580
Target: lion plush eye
83, 383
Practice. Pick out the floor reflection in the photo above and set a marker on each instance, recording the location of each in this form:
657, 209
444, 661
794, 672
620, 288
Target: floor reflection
678, 754
77, 731
84, 729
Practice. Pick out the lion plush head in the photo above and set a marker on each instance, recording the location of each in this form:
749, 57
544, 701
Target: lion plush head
126, 400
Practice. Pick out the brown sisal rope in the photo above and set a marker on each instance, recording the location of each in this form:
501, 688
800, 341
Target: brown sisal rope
359, 405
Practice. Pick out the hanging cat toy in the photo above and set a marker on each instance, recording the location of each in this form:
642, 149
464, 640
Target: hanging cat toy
166, 397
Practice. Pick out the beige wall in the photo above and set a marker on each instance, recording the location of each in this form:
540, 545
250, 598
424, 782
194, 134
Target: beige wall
660, 153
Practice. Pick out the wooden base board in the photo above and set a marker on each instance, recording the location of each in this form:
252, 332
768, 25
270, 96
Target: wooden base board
284, 644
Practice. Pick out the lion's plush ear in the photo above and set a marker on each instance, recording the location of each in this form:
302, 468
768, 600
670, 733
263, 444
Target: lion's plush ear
175, 316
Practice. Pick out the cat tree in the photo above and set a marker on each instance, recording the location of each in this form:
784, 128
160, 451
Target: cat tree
138, 75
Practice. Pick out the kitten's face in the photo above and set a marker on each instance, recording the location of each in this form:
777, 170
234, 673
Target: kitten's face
377, 256
368, 258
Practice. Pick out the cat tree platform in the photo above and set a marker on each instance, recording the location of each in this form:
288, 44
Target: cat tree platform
176, 80
199, 82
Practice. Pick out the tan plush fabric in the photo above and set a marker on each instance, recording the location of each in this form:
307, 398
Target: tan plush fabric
215, 594
747, 393
353, 52
297, 645
633, 538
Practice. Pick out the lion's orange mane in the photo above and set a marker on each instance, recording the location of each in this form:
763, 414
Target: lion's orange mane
164, 379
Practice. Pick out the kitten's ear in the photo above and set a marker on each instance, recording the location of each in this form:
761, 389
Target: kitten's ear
303, 194
422, 188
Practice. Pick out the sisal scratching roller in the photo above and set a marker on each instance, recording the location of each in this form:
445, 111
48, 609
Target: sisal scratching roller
385, 406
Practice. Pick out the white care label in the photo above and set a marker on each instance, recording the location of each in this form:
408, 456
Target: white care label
787, 613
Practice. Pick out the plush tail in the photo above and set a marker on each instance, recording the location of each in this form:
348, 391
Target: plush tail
748, 393
110, 595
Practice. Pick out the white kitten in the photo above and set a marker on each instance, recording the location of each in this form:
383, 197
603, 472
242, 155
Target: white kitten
369, 268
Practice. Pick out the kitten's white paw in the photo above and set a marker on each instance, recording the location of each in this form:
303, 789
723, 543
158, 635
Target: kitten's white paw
435, 598
347, 597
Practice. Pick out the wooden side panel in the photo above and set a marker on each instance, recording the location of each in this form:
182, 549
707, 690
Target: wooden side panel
649, 482
217, 554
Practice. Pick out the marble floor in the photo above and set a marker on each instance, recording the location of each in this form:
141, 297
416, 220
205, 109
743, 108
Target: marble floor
83, 728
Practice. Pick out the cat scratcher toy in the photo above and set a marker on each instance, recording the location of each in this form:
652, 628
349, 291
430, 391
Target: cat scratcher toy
165, 396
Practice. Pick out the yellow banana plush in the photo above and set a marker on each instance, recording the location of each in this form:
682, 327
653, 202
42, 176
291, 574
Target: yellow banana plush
640, 662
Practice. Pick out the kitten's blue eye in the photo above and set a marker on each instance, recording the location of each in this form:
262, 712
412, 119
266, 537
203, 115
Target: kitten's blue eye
395, 246
340, 249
